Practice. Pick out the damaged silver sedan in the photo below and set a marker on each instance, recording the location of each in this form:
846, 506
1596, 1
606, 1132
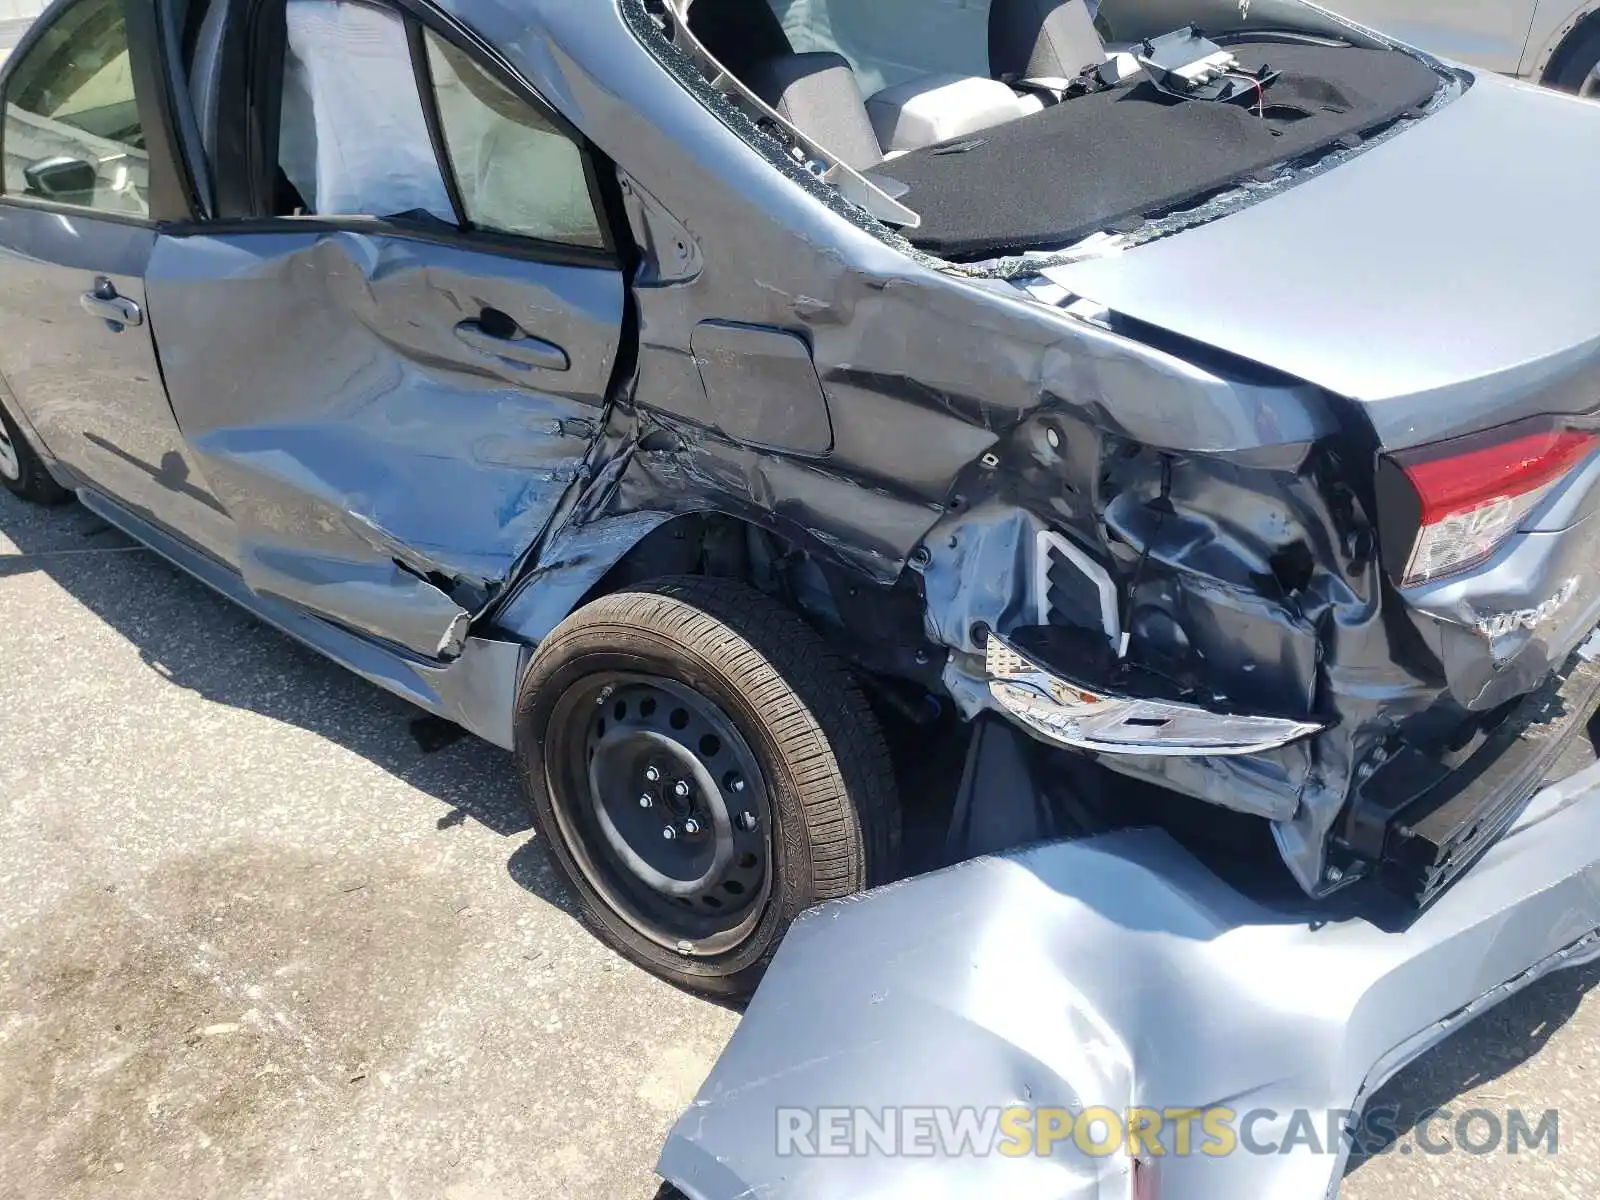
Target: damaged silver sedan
720, 403
1124, 430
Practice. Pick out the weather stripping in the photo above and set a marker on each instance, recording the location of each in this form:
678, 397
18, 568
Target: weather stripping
1070, 714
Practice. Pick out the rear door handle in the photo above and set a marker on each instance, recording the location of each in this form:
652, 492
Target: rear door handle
104, 303
518, 349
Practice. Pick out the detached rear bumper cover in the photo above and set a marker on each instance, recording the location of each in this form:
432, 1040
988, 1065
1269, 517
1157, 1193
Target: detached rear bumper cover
1119, 971
1071, 714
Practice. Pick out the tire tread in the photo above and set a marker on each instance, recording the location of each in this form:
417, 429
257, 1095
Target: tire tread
804, 696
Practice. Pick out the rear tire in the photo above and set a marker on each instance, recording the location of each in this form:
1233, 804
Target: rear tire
1576, 66
786, 796
21, 470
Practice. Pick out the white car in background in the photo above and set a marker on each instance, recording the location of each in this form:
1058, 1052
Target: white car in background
1555, 42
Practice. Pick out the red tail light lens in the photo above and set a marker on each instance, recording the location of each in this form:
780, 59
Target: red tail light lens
1475, 492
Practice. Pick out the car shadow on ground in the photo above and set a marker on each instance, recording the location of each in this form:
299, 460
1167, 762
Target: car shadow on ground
198, 640
1485, 1050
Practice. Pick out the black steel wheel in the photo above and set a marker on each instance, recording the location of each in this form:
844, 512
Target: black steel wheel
703, 768
665, 808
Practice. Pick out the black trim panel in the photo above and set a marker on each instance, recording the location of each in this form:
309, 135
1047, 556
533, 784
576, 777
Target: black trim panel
422, 71
172, 196
436, 232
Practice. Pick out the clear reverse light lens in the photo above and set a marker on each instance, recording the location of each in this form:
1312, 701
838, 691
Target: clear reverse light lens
1464, 539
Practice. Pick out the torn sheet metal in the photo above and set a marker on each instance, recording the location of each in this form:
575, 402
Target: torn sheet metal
574, 561
1119, 972
813, 503
1247, 581
376, 598
394, 446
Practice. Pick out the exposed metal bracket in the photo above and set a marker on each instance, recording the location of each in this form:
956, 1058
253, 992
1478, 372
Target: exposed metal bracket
1049, 540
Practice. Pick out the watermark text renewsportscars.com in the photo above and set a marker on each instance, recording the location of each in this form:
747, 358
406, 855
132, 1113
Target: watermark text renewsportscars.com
1147, 1133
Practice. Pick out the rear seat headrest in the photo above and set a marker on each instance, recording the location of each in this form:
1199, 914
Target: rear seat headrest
1042, 39
820, 95
739, 33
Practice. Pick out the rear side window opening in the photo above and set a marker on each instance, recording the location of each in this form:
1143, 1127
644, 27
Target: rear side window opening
380, 117
939, 126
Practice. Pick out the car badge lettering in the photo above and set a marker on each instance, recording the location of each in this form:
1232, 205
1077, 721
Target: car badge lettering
1528, 618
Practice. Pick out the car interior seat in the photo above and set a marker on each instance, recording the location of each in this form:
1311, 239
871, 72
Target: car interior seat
819, 88
817, 92
1042, 39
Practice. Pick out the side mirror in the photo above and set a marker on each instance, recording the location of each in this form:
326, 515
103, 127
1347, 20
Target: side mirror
61, 178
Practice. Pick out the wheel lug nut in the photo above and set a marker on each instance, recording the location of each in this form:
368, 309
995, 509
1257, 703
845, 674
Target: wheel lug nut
736, 786
647, 801
653, 773
691, 827
747, 822
670, 833
681, 789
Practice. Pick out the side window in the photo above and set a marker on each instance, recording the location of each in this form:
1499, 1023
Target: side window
515, 171
353, 139
354, 136
72, 132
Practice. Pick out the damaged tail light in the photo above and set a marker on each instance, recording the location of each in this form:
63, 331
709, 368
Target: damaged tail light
1468, 495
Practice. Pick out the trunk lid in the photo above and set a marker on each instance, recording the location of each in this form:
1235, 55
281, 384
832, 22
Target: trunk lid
1448, 279
1448, 282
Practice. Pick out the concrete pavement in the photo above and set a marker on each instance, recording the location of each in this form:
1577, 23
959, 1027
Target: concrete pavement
256, 942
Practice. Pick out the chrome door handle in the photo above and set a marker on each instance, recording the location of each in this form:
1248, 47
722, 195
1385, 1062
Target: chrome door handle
115, 310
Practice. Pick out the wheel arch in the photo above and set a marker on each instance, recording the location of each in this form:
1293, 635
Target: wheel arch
611, 553
13, 407
1546, 53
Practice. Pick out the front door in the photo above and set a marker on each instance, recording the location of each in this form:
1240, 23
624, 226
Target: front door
75, 243
392, 371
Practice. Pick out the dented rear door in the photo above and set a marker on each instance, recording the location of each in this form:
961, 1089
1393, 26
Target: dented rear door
385, 455
391, 358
